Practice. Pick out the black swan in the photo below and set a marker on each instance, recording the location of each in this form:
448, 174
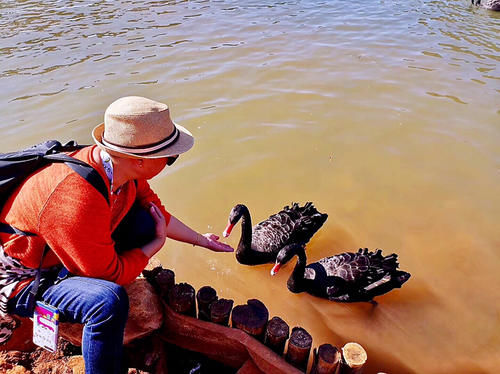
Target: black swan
346, 277
293, 224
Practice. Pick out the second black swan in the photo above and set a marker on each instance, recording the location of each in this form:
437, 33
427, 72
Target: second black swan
261, 244
346, 277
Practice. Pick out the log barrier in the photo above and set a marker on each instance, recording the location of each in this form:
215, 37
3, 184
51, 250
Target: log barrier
253, 343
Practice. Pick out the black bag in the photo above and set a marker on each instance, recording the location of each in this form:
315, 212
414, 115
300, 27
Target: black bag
15, 167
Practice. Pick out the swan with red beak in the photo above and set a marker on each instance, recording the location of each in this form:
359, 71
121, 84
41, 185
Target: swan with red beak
260, 244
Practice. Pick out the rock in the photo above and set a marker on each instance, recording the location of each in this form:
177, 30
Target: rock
13, 361
18, 370
76, 364
20, 331
145, 314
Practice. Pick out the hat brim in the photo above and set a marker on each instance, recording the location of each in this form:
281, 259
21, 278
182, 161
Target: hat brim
184, 143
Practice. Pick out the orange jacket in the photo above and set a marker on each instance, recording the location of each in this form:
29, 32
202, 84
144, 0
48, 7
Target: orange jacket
74, 219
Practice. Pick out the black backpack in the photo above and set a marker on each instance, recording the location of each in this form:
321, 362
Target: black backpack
15, 167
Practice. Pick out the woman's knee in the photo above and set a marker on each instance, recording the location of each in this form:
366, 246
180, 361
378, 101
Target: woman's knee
113, 303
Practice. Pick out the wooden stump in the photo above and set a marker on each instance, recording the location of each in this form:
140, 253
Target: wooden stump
182, 300
164, 280
251, 318
161, 279
299, 347
220, 311
326, 359
277, 332
353, 359
205, 296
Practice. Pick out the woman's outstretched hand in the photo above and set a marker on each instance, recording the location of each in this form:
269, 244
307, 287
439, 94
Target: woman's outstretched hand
213, 243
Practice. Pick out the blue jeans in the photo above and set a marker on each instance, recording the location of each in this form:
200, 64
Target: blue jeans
102, 306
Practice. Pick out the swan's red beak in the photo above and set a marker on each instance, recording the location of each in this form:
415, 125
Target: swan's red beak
275, 269
228, 230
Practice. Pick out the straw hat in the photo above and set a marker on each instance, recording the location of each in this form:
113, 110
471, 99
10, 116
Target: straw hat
138, 127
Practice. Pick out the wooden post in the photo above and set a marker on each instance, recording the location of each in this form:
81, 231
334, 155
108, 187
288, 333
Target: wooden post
182, 300
326, 359
251, 318
150, 274
220, 311
299, 347
164, 280
277, 332
353, 359
205, 296
161, 279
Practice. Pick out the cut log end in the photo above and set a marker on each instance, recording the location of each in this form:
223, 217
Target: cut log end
354, 355
161, 279
299, 347
251, 318
300, 338
205, 296
165, 280
326, 359
278, 328
277, 332
181, 299
220, 311
353, 358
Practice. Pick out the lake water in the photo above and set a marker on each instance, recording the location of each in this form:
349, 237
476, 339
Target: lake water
385, 114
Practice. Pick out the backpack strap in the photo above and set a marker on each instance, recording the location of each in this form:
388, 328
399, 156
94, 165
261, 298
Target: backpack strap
86, 171
92, 176
36, 283
6, 228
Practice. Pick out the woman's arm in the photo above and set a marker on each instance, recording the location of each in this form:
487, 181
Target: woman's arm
179, 231
175, 229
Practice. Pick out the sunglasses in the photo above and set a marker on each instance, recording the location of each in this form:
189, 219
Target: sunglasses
172, 159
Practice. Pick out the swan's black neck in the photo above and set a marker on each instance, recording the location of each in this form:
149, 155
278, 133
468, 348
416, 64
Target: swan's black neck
245, 244
296, 281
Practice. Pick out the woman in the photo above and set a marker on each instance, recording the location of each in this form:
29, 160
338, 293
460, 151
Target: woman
88, 237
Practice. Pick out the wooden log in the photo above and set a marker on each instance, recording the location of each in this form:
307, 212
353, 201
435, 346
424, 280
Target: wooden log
299, 347
326, 359
277, 332
353, 359
205, 296
149, 274
251, 318
220, 311
249, 367
164, 281
161, 279
182, 300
